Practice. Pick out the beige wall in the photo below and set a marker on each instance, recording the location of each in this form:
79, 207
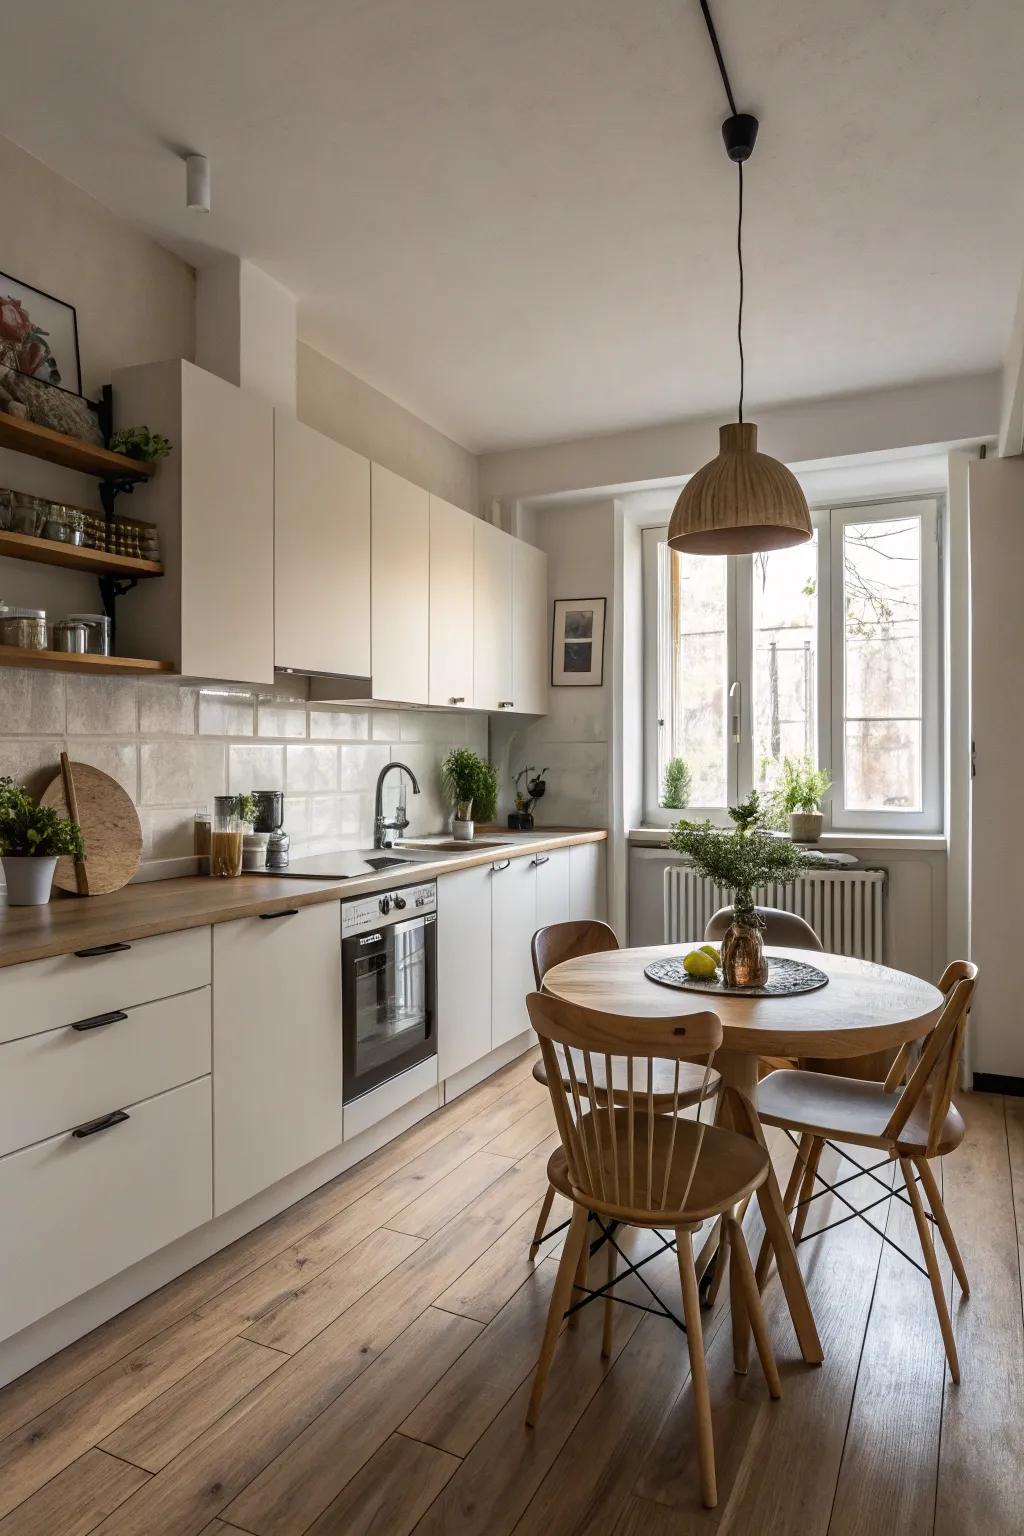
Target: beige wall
335, 402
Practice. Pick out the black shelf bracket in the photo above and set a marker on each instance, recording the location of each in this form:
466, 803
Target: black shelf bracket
111, 588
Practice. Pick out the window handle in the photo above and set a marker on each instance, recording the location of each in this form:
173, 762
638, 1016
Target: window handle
735, 707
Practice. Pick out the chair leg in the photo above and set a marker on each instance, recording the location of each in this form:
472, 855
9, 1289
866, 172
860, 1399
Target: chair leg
938, 1210
754, 1312
609, 1303
764, 1257
932, 1263
737, 1304
721, 1264
698, 1369
582, 1271
542, 1221
807, 1187
560, 1295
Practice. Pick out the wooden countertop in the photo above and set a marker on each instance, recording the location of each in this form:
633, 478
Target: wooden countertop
150, 907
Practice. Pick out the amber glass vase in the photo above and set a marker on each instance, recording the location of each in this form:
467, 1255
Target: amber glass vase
743, 957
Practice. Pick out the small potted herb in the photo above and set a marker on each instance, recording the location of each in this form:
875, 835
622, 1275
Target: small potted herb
140, 443
528, 792
32, 839
468, 782
254, 844
675, 792
797, 799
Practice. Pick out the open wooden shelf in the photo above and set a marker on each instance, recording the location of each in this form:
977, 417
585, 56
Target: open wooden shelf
95, 562
61, 661
71, 452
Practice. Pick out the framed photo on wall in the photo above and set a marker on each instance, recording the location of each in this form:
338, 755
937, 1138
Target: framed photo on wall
39, 335
577, 642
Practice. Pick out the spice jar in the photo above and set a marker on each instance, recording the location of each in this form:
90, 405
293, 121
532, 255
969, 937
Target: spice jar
226, 837
27, 513
24, 627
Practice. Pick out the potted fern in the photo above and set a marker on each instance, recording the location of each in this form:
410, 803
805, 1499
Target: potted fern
741, 860
797, 798
469, 784
675, 792
32, 839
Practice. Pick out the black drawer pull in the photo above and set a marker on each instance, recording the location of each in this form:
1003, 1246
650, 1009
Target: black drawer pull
101, 949
497, 868
265, 917
104, 1123
98, 1020
544, 859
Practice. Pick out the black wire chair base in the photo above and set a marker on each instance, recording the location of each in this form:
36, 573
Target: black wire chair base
607, 1235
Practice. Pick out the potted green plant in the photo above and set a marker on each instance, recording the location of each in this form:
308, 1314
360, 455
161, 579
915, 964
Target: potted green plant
528, 791
797, 797
741, 860
254, 844
675, 792
140, 443
469, 783
32, 839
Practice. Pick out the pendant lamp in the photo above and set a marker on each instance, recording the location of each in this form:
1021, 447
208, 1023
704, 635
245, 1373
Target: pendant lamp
742, 501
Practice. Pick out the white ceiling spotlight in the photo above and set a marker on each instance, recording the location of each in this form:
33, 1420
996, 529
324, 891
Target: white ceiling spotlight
197, 182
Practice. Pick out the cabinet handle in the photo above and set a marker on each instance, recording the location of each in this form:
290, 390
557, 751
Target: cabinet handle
90, 1128
497, 868
460, 699
98, 1020
267, 917
101, 949
506, 703
544, 859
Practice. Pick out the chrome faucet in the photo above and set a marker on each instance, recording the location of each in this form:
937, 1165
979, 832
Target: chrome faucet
382, 828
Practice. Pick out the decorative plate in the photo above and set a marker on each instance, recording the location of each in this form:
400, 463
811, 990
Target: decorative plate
785, 979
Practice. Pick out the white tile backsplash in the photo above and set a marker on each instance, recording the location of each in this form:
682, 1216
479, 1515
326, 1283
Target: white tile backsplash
253, 765
32, 701
225, 714
339, 725
167, 708
360, 765
310, 768
189, 773
102, 706
117, 758
280, 719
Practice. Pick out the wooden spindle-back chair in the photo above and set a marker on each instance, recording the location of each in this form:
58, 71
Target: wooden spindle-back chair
622, 1160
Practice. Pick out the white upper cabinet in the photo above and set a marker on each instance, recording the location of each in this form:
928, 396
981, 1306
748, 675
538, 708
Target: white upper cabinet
529, 628
213, 501
321, 552
492, 617
400, 588
451, 605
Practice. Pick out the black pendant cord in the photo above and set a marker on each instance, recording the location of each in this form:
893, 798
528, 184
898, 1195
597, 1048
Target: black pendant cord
718, 54
739, 259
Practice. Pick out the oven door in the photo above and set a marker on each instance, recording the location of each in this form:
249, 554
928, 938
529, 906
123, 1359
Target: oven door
389, 1001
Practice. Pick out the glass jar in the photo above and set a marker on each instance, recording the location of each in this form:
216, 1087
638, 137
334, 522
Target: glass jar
743, 958
69, 636
27, 514
25, 628
97, 632
6, 511
226, 837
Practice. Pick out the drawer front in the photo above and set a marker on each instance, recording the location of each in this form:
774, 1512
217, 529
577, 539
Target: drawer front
44, 994
76, 1211
55, 1081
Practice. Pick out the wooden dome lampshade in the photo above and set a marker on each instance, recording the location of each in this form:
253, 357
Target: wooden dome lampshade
741, 502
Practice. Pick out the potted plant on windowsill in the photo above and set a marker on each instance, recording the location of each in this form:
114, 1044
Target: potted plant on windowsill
797, 799
32, 839
741, 860
675, 792
468, 783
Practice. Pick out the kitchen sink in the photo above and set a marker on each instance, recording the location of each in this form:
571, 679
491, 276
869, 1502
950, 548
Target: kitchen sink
446, 846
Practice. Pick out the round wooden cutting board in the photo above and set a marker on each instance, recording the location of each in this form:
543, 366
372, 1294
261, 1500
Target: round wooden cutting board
110, 826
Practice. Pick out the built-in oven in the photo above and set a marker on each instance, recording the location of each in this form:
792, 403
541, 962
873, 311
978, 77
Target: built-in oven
389, 985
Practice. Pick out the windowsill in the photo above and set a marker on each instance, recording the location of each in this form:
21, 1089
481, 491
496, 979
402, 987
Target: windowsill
893, 842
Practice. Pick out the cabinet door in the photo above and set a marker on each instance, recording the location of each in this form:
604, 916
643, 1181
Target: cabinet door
321, 552
276, 1048
400, 594
529, 628
463, 969
492, 617
451, 605
513, 924
553, 898
227, 530
588, 895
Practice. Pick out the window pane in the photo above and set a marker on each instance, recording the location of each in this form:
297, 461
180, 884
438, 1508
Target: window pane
882, 664
785, 658
699, 660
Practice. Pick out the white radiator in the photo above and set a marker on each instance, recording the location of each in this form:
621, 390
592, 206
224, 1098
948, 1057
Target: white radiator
844, 907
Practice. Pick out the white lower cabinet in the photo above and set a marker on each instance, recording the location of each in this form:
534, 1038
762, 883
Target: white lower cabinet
77, 1209
553, 888
588, 889
463, 969
513, 924
276, 1047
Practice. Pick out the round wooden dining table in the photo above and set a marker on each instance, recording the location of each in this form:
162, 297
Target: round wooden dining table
861, 1009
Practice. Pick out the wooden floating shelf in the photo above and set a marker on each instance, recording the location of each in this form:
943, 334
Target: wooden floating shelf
70, 452
75, 557
62, 661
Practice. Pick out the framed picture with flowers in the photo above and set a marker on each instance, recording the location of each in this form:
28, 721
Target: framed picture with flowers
39, 335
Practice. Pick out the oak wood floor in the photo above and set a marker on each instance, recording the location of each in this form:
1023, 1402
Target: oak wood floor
361, 1365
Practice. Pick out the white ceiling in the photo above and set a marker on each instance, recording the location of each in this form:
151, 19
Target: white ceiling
516, 216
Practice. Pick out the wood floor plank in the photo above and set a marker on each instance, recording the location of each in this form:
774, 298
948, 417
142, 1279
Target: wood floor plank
158, 1432
394, 1489
75, 1501
291, 1322
24, 1399
429, 1212
640, 1517
290, 1493
531, 1131
981, 1473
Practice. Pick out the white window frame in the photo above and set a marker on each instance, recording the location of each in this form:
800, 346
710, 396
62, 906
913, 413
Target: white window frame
829, 522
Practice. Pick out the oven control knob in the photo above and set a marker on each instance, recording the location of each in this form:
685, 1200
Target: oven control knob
385, 904
399, 903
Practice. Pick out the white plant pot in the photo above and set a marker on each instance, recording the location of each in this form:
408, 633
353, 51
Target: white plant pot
805, 826
29, 879
462, 831
254, 851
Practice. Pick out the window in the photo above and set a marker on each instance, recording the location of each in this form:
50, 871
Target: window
829, 650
